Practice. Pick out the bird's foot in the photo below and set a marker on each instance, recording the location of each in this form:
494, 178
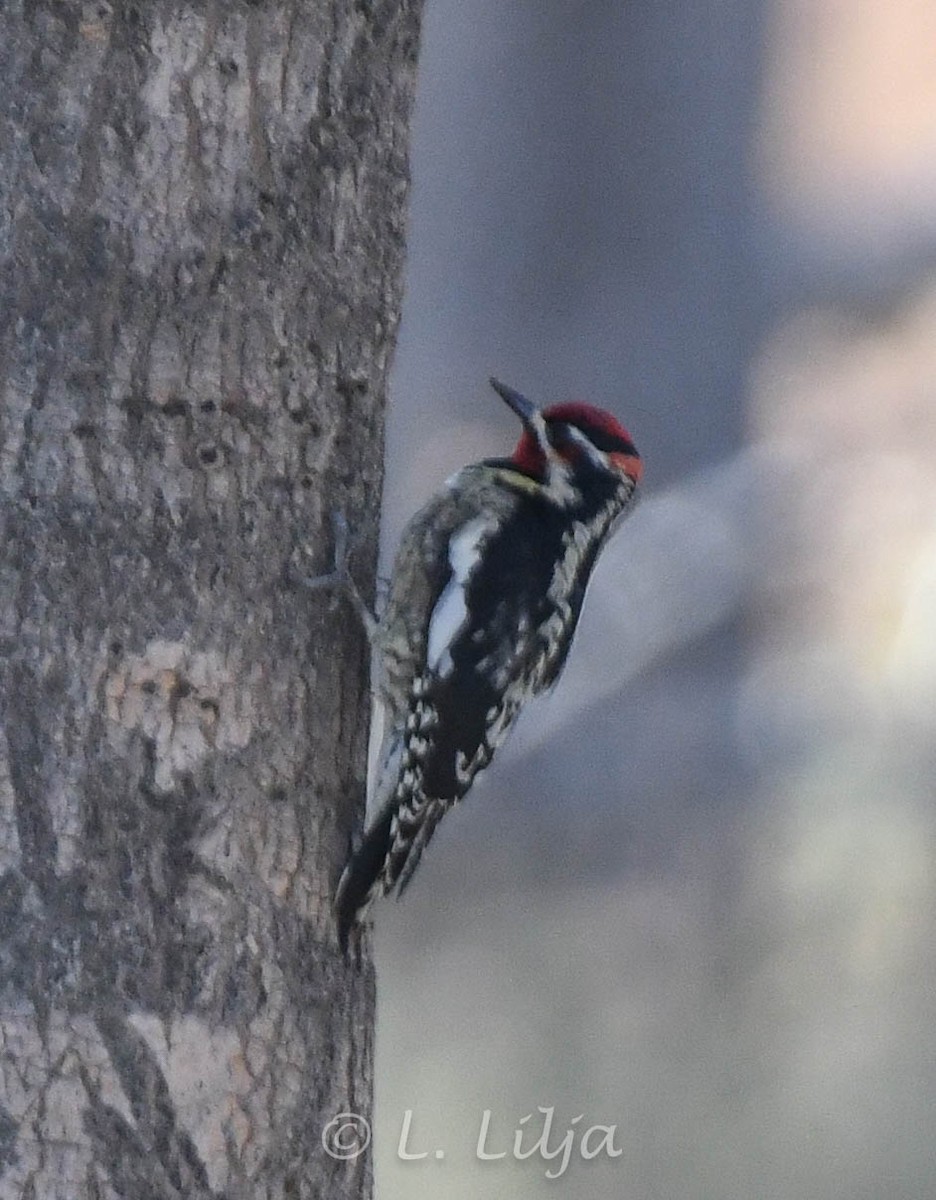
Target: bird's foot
339, 578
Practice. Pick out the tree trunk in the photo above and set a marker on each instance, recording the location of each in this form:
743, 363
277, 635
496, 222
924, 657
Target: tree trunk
202, 236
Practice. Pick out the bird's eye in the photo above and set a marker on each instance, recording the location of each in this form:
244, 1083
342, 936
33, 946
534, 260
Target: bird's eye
562, 436
567, 440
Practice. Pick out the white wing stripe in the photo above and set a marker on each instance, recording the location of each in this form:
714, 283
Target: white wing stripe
451, 612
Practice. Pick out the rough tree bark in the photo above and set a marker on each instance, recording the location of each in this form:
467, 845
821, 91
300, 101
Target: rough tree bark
201, 236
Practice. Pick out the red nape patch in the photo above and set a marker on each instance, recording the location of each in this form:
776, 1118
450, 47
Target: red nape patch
586, 417
528, 457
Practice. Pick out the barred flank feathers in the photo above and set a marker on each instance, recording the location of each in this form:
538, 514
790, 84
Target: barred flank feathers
394, 843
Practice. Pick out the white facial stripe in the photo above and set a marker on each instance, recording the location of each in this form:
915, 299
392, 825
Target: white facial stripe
559, 484
451, 612
594, 454
542, 435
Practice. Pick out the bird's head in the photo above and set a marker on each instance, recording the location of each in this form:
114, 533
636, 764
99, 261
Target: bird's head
571, 438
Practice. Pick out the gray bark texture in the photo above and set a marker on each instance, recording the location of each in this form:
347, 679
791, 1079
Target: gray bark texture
201, 242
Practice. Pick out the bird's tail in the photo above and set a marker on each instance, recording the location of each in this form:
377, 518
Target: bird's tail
387, 858
360, 881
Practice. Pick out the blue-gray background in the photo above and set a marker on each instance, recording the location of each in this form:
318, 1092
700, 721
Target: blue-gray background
694, 896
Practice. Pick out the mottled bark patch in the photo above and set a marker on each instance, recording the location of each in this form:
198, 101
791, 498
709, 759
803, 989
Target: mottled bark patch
200, 276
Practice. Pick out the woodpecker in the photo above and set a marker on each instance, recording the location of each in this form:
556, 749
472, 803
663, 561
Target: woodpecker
485, 594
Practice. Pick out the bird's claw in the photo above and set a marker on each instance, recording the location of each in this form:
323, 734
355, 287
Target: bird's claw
340, 574
339, 577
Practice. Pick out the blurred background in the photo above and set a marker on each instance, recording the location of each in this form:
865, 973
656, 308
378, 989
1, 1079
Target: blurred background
694, 896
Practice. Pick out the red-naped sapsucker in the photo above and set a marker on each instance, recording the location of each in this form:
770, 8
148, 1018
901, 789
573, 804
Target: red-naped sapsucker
484, 597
